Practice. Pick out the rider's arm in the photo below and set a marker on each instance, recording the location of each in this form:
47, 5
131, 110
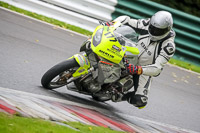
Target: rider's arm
139, 25
127, 20
167, 51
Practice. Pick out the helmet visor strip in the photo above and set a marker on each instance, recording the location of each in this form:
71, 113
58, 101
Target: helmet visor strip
157, 31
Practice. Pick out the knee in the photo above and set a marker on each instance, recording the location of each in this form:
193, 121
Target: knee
138, 100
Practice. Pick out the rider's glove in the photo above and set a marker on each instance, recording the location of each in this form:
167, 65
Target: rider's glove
134, 69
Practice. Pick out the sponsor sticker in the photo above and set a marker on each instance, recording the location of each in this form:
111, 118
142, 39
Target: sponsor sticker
116, 48
106, 54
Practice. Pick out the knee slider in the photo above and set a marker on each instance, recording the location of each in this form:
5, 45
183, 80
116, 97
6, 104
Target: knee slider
138, 100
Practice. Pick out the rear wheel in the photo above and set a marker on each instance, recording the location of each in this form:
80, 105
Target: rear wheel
59, 75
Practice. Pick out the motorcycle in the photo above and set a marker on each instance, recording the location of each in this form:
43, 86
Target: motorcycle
99, 69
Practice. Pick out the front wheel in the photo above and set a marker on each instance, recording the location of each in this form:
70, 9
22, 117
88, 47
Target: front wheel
59, 75
101, 97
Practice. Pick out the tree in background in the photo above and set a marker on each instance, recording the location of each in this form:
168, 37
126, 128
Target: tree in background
187, 6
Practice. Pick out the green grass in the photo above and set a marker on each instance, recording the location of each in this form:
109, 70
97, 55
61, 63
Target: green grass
85, 32
185, 65
92, 129
17, 124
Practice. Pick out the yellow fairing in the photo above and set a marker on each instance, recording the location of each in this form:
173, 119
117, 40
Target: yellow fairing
80, 71
83, 63
108, 47
133, 50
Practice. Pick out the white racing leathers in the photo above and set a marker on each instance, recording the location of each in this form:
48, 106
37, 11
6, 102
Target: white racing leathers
153, 57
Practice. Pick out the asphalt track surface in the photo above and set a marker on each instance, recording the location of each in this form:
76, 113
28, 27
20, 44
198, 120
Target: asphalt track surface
28, 48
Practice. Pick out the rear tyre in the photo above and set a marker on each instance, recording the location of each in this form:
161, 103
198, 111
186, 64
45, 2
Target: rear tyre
59, 75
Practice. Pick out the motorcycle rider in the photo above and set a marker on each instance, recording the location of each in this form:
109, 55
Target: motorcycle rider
156, 46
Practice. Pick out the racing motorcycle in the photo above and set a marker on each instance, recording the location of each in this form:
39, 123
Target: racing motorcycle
99, 69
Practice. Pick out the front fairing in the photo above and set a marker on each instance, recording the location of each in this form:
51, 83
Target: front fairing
106, 45
112, 42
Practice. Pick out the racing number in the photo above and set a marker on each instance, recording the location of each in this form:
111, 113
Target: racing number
110, 35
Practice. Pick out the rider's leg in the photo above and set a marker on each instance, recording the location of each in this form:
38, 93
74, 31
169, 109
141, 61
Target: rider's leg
139, 97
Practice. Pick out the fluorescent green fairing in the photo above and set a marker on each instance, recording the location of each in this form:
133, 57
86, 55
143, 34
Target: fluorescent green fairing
80, 71
83, 63
105, 44
133, 50
109, 48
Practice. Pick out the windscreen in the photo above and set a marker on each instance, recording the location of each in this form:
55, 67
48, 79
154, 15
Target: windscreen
125, 34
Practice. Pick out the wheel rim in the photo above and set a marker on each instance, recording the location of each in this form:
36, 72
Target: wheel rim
61, 80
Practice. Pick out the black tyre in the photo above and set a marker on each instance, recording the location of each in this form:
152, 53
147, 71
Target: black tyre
58, 75
101, 98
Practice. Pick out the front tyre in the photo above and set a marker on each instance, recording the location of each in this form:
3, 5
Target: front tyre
101, 97
59, 75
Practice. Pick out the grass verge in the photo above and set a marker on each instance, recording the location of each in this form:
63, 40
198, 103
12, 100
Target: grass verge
16, 124
85, 32
185, 65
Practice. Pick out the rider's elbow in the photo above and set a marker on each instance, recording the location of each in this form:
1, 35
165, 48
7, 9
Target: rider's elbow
157, 72
152, 71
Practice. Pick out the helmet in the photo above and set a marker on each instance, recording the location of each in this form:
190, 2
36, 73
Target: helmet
160, 25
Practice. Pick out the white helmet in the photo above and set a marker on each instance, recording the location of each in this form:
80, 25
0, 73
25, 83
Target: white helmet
160, 25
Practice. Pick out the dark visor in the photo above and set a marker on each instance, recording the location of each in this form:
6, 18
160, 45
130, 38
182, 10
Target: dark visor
156, 31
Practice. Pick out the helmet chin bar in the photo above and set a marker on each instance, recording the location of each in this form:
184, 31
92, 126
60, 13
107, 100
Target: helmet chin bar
157, 38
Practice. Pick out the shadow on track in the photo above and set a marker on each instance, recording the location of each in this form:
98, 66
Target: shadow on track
107, 108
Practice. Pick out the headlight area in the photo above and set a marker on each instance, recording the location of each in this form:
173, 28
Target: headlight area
97, 37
